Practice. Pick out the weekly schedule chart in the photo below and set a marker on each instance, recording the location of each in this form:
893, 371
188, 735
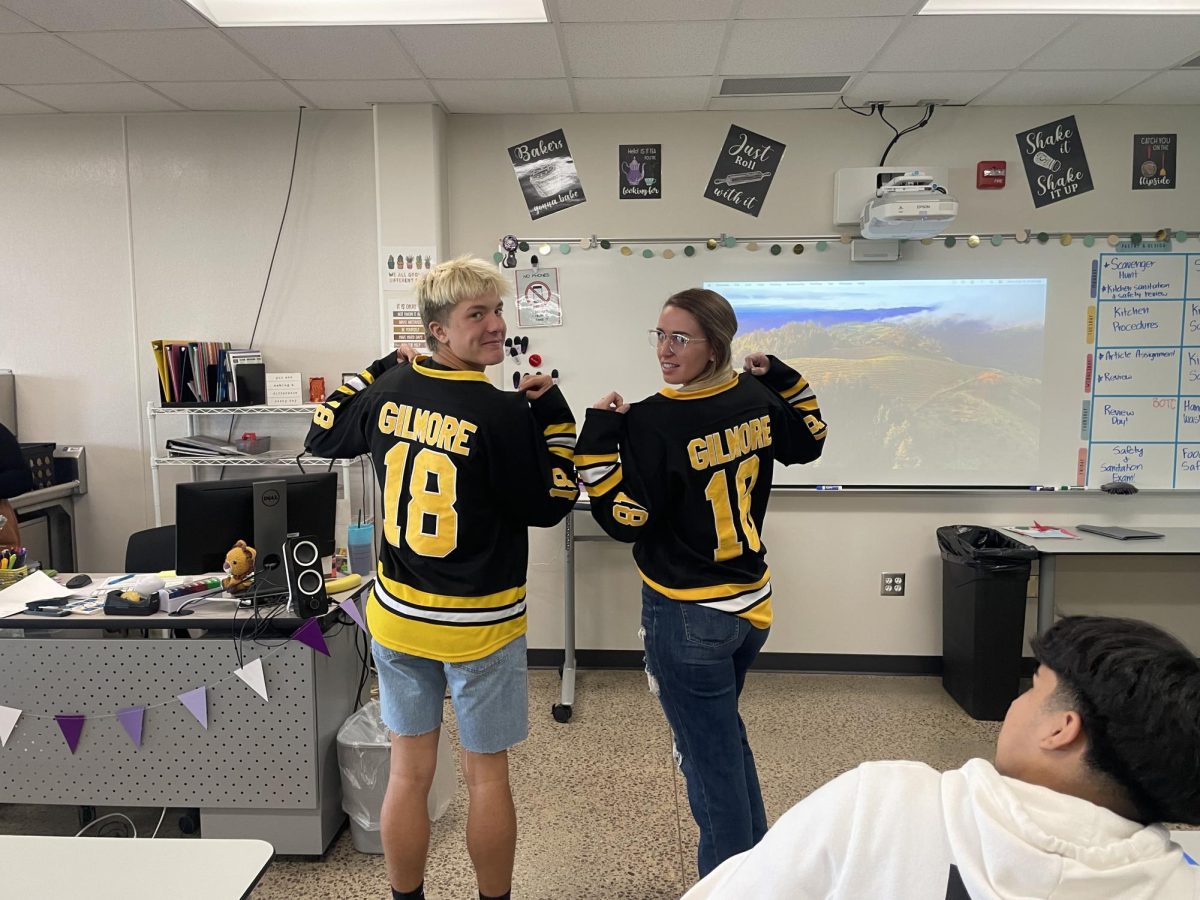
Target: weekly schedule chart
1141, 421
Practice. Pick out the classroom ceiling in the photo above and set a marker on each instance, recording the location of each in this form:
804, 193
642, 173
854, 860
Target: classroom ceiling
593, 56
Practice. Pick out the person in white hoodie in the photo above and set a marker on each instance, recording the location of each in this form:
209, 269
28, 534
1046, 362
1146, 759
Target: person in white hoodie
1105, 745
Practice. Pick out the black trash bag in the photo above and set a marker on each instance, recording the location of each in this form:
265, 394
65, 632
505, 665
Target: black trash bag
984, 549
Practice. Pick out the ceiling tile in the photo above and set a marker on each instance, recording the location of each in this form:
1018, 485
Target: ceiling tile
359, 52
12, 102
1055, 88
248, 95
790, 9
484, 51
906, 88
958, 43
119, 97
641, 10
190, 54
1122, 42
46, 59
805, 46
534, 95
11, 23
101, 15
360, 94
641, 94
1181, 86
617, 51
811, 101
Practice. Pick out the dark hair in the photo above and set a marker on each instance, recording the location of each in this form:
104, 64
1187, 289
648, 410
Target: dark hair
1137, 691
717, 320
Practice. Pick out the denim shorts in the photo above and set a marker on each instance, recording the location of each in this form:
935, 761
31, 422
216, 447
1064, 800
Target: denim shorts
490, 695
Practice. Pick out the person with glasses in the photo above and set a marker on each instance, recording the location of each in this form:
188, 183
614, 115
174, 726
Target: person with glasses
684, 476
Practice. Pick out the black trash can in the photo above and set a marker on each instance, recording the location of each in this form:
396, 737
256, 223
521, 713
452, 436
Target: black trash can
985, 577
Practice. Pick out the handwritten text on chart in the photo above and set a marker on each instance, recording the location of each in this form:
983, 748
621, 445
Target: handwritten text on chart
1149, 277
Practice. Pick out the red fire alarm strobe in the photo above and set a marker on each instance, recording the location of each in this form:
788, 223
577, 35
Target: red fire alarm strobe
991, 174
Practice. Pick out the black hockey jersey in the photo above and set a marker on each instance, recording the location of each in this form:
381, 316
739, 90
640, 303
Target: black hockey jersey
465, 470
685, 477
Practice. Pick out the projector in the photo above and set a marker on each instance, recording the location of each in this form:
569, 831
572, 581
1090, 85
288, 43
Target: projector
910, 206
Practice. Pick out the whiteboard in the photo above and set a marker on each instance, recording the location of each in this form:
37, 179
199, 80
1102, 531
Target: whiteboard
610, 300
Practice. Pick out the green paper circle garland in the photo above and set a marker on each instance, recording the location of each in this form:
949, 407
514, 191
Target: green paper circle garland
647, 253
523, 246
951, 241
1089, 240
689, 250
497, 256
776, 249
564, 249
1135, 238
1181, 236
822, 246
606, 245
730, 240
1042, 237
997, 240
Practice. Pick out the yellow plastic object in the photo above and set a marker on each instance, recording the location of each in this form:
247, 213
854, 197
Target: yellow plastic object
344, 583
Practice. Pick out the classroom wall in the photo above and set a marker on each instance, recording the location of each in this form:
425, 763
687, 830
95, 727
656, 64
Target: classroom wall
826, 551
121, 229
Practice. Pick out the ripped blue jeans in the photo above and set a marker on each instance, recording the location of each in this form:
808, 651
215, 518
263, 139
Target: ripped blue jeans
698, 658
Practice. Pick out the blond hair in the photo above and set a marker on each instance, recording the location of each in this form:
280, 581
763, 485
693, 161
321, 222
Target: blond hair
450, 283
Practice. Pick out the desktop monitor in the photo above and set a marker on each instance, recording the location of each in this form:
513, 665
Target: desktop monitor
212, 516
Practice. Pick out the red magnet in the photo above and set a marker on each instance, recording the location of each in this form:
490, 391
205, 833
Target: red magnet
535, 360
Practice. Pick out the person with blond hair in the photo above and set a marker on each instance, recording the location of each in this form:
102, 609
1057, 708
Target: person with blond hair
685, 475
465, 470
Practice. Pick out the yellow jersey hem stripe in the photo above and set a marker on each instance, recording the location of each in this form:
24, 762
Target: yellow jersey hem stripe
565, 452
591, 459
565, 428
675, 394
796, 388
453, 374
603, 487
416, 597
713, 592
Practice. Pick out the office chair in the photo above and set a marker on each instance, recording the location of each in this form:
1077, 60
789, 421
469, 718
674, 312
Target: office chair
152, 550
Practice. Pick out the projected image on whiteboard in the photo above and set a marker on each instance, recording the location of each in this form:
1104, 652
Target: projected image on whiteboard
922, 382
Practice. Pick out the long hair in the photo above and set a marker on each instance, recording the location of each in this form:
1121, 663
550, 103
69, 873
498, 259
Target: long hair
716, 319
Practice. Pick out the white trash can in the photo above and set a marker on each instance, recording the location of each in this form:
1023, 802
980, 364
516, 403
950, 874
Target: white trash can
364, 757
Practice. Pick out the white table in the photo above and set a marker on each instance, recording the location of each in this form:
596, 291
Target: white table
1189, 841
49, 868
1174, 542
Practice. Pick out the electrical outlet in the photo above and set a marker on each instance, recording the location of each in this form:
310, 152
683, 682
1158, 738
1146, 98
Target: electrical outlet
891, 584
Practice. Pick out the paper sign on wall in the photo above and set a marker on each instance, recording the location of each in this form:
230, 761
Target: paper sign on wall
538, 302
547, 175
744, 171
1154, 162
640, 171
406, 324
402, 266
1055, 164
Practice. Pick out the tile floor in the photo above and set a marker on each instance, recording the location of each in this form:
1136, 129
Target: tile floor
602, 811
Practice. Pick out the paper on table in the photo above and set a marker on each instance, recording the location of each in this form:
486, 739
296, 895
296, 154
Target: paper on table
34, 586
1041, 531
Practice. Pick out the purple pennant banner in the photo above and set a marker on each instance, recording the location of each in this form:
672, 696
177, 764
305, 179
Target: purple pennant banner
197, 704
310, 634
72, 728
350, 608
131, 721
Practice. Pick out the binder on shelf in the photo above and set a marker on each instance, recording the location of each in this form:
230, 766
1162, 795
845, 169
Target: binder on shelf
195, 373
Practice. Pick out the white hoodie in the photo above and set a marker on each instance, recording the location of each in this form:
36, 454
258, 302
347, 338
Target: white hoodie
900, 830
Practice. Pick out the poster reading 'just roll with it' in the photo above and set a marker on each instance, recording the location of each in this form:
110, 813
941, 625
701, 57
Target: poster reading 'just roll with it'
744, 171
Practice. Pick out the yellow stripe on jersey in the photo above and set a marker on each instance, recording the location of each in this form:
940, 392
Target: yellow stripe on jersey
603, 487
591, 459
675, 394
565, 452
366, 376
408, 594
807, 405
343, 389
759, 616
452, 374
429, 640
564, 428
796, 388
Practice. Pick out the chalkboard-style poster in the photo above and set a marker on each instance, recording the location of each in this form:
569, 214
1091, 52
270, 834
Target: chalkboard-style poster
1153, 162
547, 174
640, 175
1055, 164
744, 171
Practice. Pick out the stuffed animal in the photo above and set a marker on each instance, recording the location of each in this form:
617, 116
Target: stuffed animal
239, 568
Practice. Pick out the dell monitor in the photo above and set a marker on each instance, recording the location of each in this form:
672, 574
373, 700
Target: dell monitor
212, 516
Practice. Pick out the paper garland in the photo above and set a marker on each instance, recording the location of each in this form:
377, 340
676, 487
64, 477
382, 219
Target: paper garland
195, 701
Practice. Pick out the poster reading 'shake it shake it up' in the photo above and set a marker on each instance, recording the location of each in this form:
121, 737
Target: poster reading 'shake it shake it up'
1055, 164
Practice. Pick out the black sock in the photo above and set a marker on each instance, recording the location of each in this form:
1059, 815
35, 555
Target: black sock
418, 894
507, 895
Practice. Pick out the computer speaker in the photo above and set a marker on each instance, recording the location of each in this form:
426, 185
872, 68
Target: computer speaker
305, 580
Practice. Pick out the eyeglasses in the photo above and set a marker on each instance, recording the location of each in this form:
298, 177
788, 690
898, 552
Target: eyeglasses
678, 341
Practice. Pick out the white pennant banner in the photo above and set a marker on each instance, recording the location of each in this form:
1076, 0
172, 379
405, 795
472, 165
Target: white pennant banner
252, 674
8, 720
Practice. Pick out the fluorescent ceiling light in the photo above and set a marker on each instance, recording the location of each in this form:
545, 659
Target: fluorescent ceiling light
235, 13
1060, 7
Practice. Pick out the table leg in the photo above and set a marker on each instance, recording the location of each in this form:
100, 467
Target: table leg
562, 709
1045, 606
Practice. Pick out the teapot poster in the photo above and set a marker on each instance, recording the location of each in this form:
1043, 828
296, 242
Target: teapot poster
547, 175
744, 171
1154, 162
1055, 164
639, 171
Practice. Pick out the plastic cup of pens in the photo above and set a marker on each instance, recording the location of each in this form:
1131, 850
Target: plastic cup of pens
12, 576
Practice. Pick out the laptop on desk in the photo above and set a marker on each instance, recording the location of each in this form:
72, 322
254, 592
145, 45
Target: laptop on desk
1120, 534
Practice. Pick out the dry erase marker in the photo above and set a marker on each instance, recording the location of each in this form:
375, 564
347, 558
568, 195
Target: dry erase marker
827, 487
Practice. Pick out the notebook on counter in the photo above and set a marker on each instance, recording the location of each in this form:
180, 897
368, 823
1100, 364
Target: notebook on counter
1121, 534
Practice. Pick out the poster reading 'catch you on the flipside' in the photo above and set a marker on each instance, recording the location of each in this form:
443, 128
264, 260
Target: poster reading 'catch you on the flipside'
547, 175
